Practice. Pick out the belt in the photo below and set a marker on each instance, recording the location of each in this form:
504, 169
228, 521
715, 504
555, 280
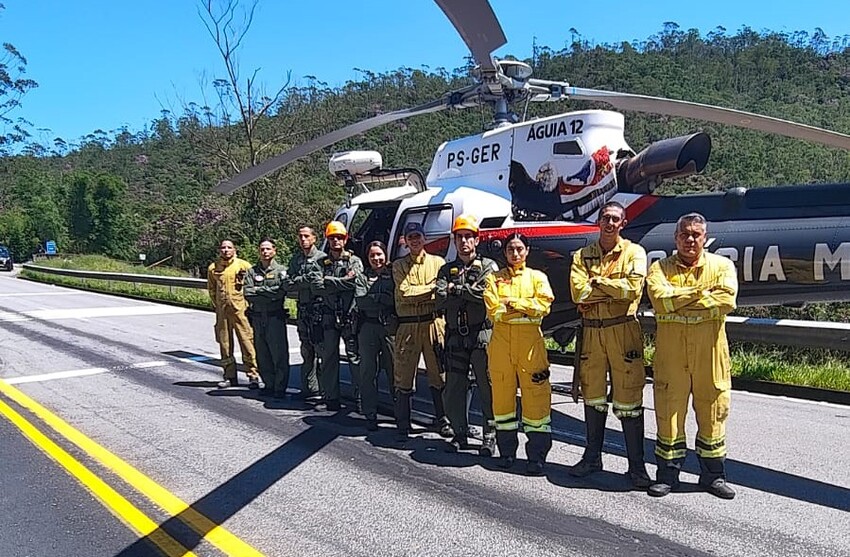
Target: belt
272, 312
483, 325
373, 320
690, 319
415, 319
604, 323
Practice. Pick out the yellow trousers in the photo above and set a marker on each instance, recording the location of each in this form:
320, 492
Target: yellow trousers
517, 351
618, 348
692, 359
227, 322
411, 341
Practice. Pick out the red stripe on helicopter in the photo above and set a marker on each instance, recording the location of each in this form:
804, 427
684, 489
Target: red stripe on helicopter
634, 209
640, 205
540, 231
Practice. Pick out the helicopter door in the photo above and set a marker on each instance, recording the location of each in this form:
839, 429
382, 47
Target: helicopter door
371, 222
436, 220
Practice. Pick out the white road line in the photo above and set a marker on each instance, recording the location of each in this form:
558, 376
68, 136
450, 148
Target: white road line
17, 294
737, 393
145, 365
56, 375
79, 372
83, 313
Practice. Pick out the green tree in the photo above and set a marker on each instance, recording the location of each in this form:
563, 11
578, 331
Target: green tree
16, 233
98, 216
13, 86
80, 211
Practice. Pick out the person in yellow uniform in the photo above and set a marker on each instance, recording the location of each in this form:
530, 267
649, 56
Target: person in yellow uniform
420, 331
606, 282
225, 280
517, 299
691, 292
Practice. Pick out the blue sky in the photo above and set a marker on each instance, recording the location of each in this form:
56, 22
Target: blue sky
103, 64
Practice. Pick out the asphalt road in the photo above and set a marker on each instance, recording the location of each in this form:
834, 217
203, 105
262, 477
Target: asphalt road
287, 480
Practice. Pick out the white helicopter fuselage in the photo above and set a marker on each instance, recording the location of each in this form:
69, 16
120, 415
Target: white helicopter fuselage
547, 163
565, 160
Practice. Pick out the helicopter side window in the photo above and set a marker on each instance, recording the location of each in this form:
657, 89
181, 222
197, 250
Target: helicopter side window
567, 148
437, 223
371, 223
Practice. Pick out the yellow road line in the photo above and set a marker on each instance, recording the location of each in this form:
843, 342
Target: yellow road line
111, 499
170, 503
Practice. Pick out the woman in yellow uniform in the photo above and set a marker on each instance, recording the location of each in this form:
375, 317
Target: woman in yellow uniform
517, 298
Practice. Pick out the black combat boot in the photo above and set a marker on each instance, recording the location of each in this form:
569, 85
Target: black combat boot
441, 421
508, 442
460, 442
538, 446
591, 461
712, 477
667, 478
372, 422
633, 433
488, 446
402, 413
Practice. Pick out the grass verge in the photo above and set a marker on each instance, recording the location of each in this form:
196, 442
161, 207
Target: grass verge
189, 297
186, 297
823, 369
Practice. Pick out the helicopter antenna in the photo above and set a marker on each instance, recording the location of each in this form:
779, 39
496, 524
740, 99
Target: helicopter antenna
525, 108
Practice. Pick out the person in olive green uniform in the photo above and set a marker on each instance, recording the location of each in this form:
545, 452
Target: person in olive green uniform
374, 299
460, 286
265, 291
335, 282
298, 286
225, 279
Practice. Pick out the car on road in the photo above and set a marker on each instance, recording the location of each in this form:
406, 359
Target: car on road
6, 261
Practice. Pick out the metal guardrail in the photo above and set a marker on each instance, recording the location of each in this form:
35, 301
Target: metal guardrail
182, 282
785, 332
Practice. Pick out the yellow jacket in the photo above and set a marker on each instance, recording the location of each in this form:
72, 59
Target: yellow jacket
682, 294
610, 283
416, 283
527, 293
224, 286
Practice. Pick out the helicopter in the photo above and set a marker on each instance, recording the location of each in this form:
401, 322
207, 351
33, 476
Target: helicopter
547, 178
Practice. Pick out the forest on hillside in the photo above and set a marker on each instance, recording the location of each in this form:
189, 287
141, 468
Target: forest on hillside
125, 192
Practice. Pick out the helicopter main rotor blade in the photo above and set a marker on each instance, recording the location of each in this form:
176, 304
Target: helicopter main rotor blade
709, 113
477, 25
276, 163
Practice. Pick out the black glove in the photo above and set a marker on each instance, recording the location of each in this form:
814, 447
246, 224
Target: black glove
540, 376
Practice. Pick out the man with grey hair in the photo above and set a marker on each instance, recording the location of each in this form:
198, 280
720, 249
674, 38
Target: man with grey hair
691, 292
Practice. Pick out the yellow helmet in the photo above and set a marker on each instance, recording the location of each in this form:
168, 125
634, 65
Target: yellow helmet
335, 228
465, 222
